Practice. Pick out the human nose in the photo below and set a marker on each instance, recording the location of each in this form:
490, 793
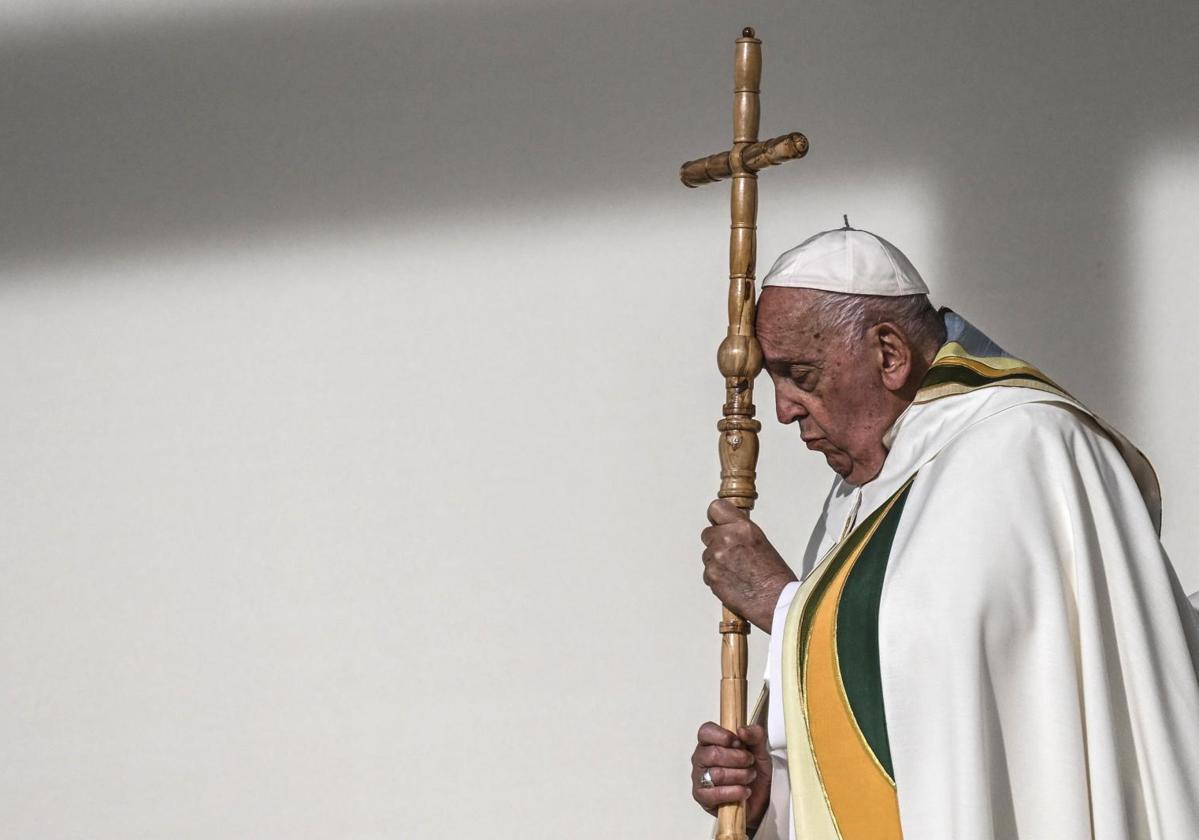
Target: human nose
788, 409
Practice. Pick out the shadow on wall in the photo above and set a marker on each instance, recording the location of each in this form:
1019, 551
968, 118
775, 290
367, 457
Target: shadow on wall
230, 127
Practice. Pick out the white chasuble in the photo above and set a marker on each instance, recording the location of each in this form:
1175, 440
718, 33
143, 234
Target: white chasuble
988, 641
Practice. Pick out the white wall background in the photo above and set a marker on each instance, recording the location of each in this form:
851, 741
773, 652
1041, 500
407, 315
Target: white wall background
359, 386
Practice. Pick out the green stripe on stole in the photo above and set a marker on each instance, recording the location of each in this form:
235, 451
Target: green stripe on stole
857, 634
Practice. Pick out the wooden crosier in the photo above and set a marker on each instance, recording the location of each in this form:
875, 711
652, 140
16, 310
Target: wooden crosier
740, 357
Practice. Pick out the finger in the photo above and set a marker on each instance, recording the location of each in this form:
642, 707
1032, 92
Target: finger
722, 512
752, 736
715, 735
724, 776
707, 535
717, 796
721, 757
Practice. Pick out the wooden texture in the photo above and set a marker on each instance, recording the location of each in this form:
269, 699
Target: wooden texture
740, 357
755, 157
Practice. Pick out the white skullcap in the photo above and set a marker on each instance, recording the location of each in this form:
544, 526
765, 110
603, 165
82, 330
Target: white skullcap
849, 261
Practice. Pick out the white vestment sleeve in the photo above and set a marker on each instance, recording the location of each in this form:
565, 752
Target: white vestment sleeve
1040, 662
775, 731
776, 823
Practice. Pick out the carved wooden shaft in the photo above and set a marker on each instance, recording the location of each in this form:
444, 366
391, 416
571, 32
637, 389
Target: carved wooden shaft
739, 359
740, 356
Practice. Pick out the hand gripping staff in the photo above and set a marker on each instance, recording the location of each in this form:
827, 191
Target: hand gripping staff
740, 357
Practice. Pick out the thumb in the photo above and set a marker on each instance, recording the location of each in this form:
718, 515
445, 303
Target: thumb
722, 512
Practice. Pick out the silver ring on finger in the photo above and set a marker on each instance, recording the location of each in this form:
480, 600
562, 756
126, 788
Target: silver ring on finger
705, 781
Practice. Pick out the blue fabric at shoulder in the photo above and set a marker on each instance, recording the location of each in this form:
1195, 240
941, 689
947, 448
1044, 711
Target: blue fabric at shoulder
969, 336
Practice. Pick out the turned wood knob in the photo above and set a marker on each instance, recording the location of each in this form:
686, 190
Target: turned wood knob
739, 356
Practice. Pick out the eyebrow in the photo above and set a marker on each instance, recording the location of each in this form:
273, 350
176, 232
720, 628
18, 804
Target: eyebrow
779, 363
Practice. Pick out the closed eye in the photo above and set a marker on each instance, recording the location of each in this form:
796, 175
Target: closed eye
802, 375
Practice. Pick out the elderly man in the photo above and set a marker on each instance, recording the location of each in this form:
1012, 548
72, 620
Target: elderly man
986, 639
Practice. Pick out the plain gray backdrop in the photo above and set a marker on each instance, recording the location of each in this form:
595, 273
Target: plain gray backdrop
359, 372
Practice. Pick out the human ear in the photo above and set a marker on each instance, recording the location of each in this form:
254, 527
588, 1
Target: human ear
894, 356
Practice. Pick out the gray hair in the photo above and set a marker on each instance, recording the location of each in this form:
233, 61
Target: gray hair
849, 317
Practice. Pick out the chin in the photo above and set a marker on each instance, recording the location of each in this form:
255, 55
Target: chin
843, 466
848, 471
839, 467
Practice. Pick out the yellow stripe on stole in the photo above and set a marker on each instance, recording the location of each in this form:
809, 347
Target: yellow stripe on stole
809, 808
859, 792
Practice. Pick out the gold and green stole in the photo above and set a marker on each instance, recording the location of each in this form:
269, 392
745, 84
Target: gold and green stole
842, 782
955, 370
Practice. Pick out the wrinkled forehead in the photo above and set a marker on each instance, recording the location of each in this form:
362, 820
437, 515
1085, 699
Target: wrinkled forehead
787, 326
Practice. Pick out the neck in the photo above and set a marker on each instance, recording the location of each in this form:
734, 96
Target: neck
921, 362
